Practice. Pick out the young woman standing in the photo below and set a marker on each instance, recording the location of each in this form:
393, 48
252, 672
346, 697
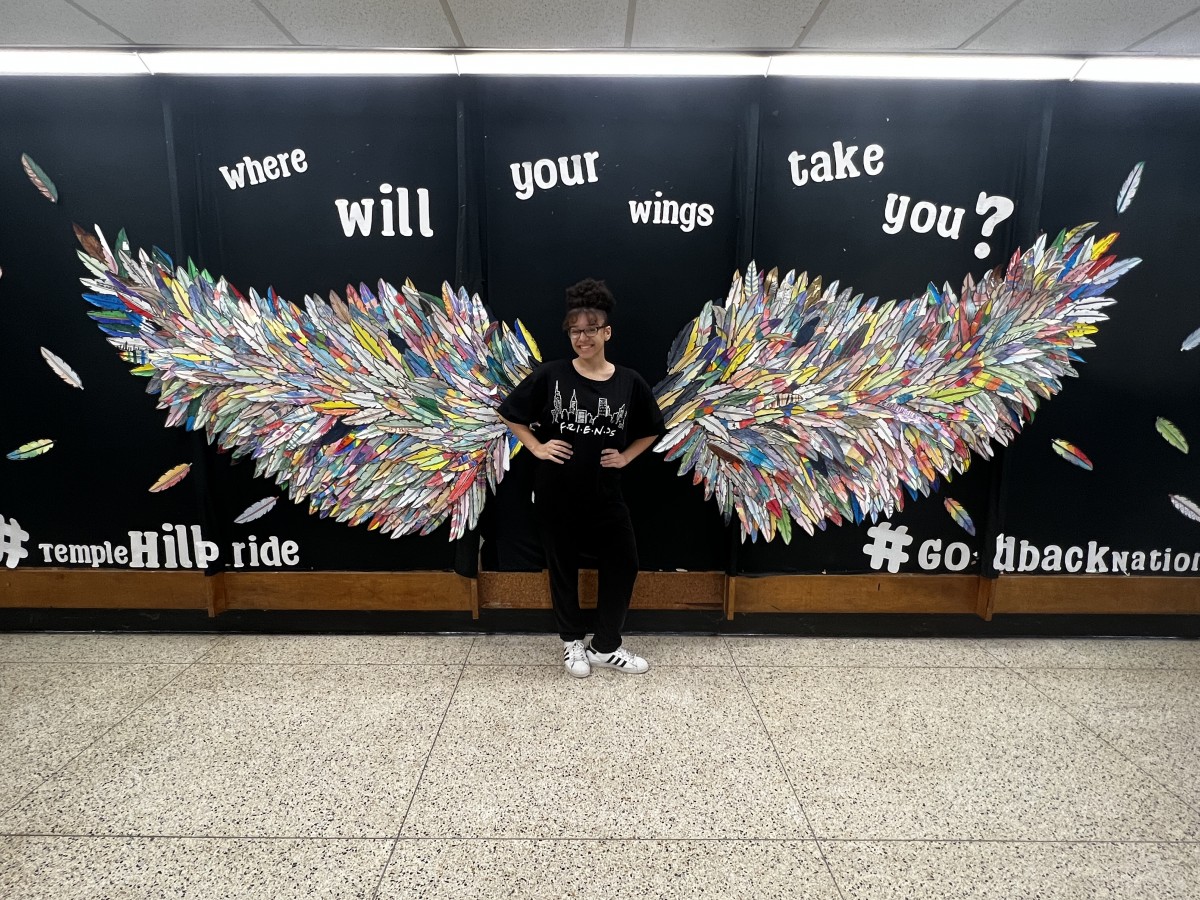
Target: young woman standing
585, 419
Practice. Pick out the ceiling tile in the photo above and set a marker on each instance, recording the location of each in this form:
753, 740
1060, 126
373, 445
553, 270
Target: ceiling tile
364, 23
187, 22
50, 23
1077, 26
900, 25
539, 24
1182, 38
720, 23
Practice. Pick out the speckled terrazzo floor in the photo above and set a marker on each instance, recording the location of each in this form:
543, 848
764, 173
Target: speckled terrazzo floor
196, 766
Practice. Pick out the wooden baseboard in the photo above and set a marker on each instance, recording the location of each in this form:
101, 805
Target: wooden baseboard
348, 590
857, 594
1097, 594
701, 591
653, 590
102, 589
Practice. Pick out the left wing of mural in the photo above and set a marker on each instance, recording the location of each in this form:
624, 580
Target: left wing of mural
795, 402
375, 409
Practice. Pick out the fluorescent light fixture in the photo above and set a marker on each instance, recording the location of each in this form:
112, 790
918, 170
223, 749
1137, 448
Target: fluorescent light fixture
297, 62
70, 62
611, 64
801, 64
1147, 69
932, 66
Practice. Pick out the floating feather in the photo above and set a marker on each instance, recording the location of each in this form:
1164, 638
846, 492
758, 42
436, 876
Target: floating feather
39, 178
1192, 341
1188, 507
959, 515
1171, 434
1071, 454
1129, 188
32, 449
171, 477
256, 510
61, 369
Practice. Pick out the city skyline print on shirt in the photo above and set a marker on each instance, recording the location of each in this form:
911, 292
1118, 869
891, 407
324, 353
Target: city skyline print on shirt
575, 418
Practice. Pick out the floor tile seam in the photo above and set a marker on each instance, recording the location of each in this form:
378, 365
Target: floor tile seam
421, 775
729, 839
901, 668
221, 639
219, 662
656, 665
788, 777
383, 838
1103, 740
4, 811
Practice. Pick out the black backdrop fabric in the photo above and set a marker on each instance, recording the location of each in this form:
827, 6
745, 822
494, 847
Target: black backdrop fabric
146, 154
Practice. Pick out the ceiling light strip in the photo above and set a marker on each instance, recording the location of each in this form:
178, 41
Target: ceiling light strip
805, 64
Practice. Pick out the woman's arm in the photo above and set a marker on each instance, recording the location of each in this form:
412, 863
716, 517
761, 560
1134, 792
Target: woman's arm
619, 459
555, 451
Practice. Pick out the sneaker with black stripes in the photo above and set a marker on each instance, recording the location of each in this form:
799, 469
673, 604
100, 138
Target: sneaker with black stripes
575, 659
620, 659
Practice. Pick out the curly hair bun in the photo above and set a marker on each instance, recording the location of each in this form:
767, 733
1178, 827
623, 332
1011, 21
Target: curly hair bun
590, 294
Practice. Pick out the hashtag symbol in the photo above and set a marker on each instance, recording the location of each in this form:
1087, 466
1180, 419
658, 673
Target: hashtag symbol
887, 546
12, 542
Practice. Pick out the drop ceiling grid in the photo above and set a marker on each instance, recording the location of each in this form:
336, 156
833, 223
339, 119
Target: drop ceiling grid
541, 24
1182, 37
50, 23
187, 22
1079, 26
902, 25
364, 23
720, 24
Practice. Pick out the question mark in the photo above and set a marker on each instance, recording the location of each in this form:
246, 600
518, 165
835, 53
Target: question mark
1003, 209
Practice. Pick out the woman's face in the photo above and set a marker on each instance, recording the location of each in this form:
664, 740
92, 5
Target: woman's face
588, 333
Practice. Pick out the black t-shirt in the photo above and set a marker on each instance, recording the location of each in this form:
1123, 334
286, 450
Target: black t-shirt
557, 403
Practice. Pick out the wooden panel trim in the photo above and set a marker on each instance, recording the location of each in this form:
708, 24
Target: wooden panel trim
1099, 594
653, 590
857, 593
985, 600
103, 589
348, 590
431, 591
218, 599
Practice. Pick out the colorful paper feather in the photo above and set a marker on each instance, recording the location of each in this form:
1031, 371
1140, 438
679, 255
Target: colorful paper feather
256, 510
1071, 453
1129, 188
32, 449
799, 403
377, 409
40, 179
959, 515
1192, 341
1171, 434
1188, 507
61, 369
171, 477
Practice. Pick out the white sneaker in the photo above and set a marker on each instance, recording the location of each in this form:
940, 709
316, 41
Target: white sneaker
620, 659
575, 659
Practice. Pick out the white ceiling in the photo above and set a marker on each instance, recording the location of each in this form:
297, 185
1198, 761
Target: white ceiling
1044, 26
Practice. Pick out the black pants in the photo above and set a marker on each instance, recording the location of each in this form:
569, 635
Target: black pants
597, 524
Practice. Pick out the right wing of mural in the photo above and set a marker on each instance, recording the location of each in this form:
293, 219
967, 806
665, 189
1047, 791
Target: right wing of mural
377, 410
793, 403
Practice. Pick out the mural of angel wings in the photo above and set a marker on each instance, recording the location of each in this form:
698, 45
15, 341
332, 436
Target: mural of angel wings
375, 409
790, 403
798, 403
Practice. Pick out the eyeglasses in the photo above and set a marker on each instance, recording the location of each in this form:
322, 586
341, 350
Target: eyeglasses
590, 331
